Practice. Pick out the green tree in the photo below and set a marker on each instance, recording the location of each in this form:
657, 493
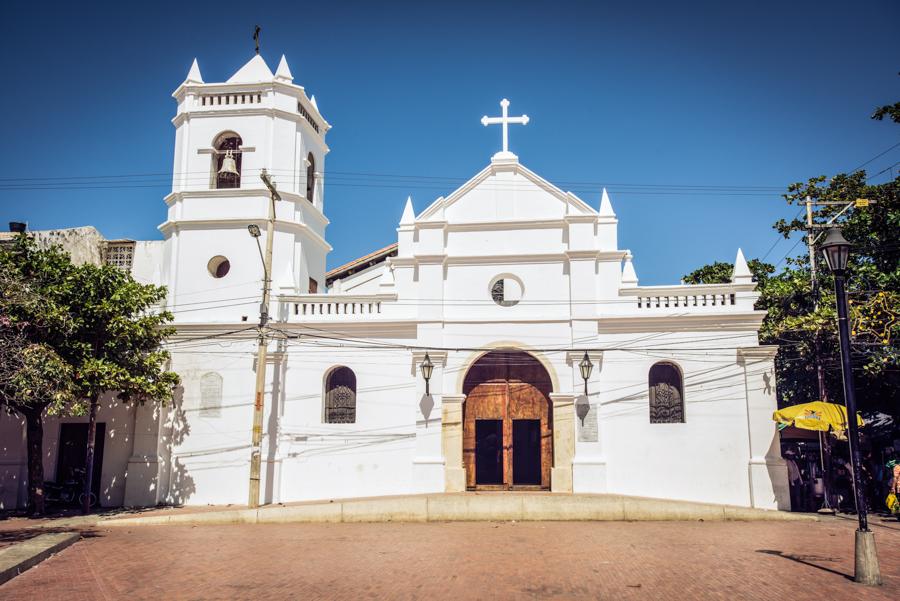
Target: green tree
116, 343
34, 379
720, 273
891, 111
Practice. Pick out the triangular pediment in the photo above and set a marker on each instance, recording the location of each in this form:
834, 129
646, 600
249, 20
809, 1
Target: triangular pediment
505, 191
255, 70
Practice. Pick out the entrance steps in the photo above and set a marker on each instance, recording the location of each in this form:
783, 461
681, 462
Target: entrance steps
470, 506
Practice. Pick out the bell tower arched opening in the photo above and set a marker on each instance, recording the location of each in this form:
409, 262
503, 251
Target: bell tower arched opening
507, 423
227, 160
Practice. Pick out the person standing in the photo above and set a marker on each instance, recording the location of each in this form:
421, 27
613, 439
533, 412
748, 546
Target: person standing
795, 479
894, 466
894, 487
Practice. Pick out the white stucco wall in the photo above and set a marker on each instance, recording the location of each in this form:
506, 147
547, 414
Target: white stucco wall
119, 420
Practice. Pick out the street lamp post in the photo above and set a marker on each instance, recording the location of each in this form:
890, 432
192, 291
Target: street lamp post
263, 342
837, 252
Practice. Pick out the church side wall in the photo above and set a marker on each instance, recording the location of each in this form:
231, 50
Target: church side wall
371, 457
211, 422
303, 457
703, 459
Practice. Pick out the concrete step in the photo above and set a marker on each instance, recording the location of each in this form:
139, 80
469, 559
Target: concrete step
473, 506
17, 558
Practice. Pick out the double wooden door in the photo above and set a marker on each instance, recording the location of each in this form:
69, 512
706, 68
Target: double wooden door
507, 436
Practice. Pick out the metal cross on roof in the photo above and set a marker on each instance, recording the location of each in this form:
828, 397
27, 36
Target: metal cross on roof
504, 120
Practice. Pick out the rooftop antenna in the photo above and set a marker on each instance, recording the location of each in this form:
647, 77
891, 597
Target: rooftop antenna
256, 37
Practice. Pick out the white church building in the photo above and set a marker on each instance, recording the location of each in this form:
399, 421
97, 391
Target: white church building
506, 285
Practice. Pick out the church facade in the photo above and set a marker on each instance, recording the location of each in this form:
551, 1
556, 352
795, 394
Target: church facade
508, 288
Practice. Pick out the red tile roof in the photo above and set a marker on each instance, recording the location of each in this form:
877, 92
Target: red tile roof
374, 257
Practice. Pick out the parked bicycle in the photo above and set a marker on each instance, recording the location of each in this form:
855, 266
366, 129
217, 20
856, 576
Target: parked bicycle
70, 491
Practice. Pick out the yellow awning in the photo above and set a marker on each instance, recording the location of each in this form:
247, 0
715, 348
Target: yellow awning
817, 415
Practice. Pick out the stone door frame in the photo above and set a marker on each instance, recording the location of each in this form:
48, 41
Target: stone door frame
563, 420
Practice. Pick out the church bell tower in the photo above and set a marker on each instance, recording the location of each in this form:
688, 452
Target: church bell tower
226, 134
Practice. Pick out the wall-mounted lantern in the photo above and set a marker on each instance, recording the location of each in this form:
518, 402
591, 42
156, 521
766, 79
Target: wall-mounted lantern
427, 369
586, 367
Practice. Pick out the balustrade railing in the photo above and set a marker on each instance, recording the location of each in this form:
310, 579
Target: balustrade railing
229, 99
328, 306
669, 301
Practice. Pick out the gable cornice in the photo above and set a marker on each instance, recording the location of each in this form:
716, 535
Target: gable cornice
687, 289
252, 111
743, 321
505, 224
171, 226
307, 207
567, 198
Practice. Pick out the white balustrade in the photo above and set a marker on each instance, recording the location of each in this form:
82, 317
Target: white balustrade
699, 301
326, 307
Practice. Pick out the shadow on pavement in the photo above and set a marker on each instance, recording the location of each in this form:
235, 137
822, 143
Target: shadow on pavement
72, 512
807, 560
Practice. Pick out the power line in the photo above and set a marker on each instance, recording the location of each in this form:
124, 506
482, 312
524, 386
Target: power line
799, 240
351, 175
779, 239
877, 156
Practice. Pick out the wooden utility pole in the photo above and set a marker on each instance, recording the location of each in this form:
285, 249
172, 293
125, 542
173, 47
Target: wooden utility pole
262, 348
817, 355
811, 244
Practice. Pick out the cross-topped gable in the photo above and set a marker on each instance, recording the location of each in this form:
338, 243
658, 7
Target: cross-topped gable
506, 190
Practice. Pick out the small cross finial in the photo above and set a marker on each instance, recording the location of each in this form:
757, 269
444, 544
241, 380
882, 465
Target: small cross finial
256, 37
504, 120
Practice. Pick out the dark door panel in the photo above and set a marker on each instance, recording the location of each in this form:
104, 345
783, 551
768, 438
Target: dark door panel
526, 435
489, 451
72, 451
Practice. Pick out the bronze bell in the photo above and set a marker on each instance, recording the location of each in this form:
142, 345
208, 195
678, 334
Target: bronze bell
229, 166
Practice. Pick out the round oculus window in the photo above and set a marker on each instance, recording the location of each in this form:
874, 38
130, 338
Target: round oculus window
218, 266
506, 291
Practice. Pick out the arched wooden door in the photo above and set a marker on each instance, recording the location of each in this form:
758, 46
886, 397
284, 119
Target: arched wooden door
507, 429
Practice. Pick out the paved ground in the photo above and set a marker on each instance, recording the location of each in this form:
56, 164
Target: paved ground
480, 560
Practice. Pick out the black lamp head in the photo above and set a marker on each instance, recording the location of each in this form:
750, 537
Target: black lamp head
836, 250
585, 366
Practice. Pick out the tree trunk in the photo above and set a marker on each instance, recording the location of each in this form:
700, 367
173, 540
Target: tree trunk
34, 431
89, 455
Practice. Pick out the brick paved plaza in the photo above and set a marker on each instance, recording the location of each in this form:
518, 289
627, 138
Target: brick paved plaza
476, 560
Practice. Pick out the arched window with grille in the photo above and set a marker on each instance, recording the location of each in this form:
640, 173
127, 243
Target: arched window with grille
340, 396
310, 177
211, 395
228, 154
666, 394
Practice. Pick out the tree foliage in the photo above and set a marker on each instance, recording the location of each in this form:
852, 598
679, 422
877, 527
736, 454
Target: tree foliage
34, 323
720, 273
116, 336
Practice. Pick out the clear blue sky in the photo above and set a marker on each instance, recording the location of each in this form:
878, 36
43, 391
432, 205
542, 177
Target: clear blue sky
750, 94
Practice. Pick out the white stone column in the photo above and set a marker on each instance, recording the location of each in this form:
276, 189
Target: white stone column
452, 442
563, 441
428, 462
767, 471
